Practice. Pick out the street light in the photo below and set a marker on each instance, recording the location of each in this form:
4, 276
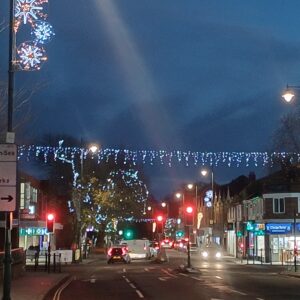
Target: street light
289, 94
205, 172
93, 148
166, 205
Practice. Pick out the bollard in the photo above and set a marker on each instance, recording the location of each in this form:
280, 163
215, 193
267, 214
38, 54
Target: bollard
261, 258
54, 262
59, 264
46, 262
49, 261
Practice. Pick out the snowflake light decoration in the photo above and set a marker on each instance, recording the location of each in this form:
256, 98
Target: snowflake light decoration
43, 32
29, 10
31, 57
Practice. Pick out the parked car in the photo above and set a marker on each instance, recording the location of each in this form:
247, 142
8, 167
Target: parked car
154, 247
118, 254
211, 252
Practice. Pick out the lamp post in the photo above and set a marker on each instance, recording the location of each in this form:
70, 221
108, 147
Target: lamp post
191, 186
166, 205
180, 196
289, 94
93, 148
205, 172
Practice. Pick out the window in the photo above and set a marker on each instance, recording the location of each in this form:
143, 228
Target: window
278, 205
22, 196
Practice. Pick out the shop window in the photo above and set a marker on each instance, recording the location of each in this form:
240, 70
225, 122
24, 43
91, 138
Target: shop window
278, 205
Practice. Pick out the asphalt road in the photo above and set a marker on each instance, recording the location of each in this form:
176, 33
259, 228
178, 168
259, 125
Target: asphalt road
147, 280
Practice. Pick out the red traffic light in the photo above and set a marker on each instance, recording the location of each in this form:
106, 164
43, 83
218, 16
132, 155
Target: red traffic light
50, 217
50, 222
189, 209
159, 218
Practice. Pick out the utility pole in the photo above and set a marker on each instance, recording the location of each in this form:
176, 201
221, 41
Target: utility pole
9, 215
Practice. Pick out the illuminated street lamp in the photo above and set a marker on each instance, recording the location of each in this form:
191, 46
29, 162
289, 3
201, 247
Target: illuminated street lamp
289, 94
205, 172
166, 206
93, 148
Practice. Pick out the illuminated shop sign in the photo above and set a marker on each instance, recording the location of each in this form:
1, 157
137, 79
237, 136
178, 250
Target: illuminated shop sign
278, 228
32, 231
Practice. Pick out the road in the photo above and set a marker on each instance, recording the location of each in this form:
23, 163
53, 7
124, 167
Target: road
148, 280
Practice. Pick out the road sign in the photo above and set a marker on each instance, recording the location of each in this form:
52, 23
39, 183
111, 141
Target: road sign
8, 177
7, 198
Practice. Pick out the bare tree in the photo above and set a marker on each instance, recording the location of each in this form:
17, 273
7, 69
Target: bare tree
287, 137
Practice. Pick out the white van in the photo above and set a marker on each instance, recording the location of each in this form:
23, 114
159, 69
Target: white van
138, 248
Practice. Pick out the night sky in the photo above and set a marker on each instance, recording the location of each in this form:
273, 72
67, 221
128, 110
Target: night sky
174, 75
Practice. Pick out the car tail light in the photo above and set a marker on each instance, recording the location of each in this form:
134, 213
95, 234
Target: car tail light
109, 251
156, 247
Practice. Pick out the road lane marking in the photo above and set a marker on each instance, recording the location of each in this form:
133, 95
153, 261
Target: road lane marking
218, 277
168, 273
238, 292
124, 270
146, 269
164, 278
139, 293
60, 289
196, 278
260, 299
132, 285
183, 274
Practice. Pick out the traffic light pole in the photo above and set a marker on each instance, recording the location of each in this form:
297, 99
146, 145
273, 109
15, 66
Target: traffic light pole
188, 249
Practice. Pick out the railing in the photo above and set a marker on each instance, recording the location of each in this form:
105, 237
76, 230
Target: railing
284, 257
44, 261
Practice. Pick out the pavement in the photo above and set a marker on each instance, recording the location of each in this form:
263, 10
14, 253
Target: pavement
35, 285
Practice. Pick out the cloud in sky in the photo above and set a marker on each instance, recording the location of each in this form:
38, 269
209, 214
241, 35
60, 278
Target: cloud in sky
196, 75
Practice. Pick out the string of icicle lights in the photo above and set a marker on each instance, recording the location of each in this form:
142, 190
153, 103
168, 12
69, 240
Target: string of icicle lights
159, 157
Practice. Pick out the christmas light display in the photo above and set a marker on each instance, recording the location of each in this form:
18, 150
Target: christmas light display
168, 158
31, 56
130, 176
43, 32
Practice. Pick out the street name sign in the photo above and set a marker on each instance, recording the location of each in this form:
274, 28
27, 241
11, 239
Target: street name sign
8, 177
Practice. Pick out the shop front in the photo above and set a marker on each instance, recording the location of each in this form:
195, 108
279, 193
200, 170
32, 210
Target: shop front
281, 241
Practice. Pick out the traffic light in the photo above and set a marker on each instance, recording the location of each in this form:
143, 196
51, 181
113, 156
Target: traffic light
159, 218
189, 215
128, 234
50, 222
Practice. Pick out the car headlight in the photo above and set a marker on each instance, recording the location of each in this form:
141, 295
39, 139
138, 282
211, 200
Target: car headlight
218, 254
204, 254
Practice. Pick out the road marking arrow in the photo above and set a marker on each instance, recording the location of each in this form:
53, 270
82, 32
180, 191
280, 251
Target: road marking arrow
9, 198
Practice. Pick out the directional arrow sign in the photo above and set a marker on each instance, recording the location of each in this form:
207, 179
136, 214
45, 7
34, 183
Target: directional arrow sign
7, 198
8, 177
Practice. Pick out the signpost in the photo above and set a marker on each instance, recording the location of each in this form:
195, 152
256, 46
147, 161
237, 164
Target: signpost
8, 177
8, 182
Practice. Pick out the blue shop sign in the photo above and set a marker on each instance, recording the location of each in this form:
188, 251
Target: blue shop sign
278, 228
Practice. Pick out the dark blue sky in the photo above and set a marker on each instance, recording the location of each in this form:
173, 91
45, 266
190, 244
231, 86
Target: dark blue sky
187, 75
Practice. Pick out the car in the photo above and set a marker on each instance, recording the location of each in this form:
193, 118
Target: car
211, 252
154, 247
137, 248
166, 243
118, 253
